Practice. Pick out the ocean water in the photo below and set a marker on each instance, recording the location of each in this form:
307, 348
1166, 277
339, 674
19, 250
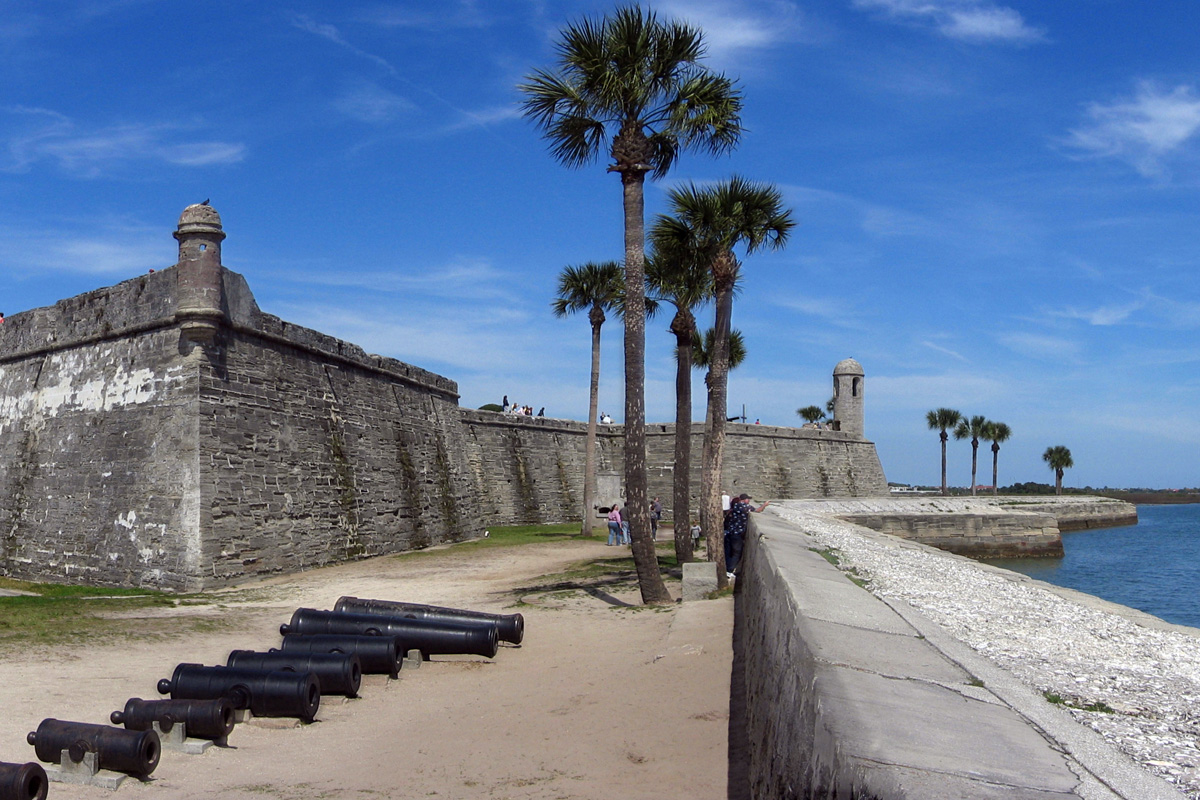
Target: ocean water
1153, 566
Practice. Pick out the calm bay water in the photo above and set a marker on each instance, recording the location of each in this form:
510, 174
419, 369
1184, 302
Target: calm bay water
1153, 566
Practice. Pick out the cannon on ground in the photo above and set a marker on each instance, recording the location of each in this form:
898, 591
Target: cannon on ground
132, 752
430, 638
337, 673
377, 655
201, 719
273, 693
22, 781
510, 627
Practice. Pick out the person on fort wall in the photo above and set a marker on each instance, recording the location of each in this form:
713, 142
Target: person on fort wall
615, 532
736, 522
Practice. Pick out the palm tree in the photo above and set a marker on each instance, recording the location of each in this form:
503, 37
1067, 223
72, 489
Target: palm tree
811, 413
1059, 459
634, 85
971, 429
940, 420
594, 288
704, 349
682, 280
713, 220
996, 432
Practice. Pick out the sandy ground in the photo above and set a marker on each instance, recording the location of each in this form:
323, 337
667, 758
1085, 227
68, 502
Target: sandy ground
604, 699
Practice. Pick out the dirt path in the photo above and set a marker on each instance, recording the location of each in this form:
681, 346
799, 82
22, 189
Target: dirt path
602, 700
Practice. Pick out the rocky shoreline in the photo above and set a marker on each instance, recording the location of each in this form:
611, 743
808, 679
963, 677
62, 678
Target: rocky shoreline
1129, 676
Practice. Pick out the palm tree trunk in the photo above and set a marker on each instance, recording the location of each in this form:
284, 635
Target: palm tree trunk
681, 511
1058, 473
714, 450
995, 469
974, 463
637, 499
589, 463
945, 489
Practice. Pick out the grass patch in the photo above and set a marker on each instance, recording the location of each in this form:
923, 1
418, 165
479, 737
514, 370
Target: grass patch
510, 536
829, 555
1098, 706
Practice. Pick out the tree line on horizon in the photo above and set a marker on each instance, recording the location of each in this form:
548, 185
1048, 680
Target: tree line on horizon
634, 86
978, 427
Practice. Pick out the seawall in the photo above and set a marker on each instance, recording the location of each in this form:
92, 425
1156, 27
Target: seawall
849, 694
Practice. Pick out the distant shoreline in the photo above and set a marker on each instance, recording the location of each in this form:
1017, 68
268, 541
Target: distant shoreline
1154, 498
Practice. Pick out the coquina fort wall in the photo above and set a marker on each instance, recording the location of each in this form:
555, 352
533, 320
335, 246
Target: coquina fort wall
165, 432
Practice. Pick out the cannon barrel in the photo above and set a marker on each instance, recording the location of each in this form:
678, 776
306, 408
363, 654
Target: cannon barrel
337, 673
202, 719
510, 627
441, 638
266, 693
22, 781
377, 655
131, 752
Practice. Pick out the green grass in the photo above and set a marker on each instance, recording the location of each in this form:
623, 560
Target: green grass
1099, 706
510, 536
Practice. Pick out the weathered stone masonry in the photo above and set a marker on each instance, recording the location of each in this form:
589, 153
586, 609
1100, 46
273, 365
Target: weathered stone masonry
165, 432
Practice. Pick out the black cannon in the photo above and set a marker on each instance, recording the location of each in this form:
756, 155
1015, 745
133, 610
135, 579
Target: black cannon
430, 638
337, 673
273, 693
22, 781
377, 655
510, 627
202, 719
131, 752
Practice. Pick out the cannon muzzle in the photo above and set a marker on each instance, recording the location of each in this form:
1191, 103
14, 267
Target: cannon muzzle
131, 752
337, 673
510, 627
431, 638
22, 781
202, 719
266, 693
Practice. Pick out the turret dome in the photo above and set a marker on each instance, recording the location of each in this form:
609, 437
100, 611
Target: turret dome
848, 366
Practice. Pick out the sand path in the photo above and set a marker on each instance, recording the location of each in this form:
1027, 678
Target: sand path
602, 700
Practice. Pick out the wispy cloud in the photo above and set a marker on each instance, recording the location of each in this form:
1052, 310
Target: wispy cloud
332, 34
462, 279
1104, 315
446, 15
115, 251
1143, 130
47, 135
965, 20
944, 350
1042, 347
369, 102
734, 28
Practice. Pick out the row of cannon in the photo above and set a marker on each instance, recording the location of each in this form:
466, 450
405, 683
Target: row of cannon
322, 653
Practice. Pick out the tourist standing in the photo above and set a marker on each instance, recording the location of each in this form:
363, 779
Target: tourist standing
735, 530
655, 516
614, 525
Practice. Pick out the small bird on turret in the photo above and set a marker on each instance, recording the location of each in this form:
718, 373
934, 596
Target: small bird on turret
205, 202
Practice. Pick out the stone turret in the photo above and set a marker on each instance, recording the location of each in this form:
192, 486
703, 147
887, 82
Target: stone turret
200, 306
848, 396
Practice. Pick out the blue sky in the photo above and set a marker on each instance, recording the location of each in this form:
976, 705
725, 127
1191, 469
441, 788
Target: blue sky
997, 201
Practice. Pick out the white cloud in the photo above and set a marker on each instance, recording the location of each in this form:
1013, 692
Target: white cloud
964, 20
730, 28
368, 102
1104, 315
1039, 346
944, 350
123, 252
332, 34
1142, 130
50, 136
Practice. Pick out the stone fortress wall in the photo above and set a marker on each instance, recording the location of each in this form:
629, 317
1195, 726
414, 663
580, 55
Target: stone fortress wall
167, 433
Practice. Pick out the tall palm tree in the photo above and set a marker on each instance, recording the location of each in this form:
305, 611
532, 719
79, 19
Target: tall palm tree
971, 429
996, 432
811, 413
705, 348
680, 279
942, 419
634, 85
714, 220
594, 288
1059, 459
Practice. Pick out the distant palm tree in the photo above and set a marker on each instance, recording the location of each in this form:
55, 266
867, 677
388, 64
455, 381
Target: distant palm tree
971, 429
679, 278
996, 432
811, 413
1058, 458
942, 419
703, 348
714, 220
634, 86
594, 288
